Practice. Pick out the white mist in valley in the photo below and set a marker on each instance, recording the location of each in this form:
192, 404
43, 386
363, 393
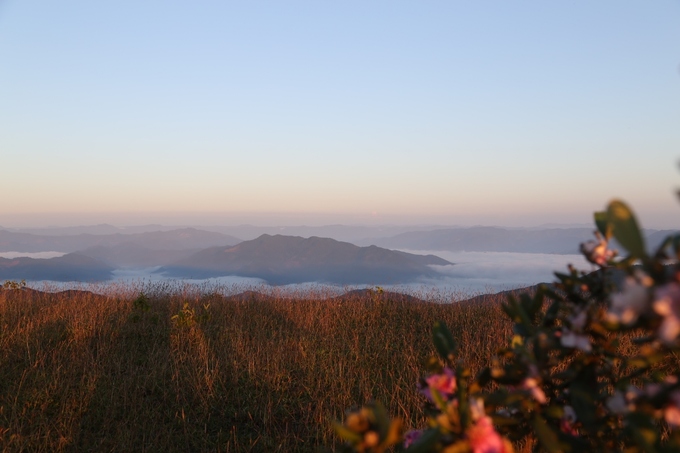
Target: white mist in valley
472, 273
476, 272
34, 255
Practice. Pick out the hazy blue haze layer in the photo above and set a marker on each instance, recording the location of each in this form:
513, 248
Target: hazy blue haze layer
473, 273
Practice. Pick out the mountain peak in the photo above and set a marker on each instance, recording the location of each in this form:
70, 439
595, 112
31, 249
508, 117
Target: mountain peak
281, 259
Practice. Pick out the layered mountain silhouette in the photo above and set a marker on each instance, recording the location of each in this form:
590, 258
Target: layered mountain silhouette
133, 255
291, 259
180, 239
70, 267
495, 239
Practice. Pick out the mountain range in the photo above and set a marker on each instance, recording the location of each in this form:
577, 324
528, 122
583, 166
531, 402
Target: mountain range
94, 253
181, 239
562, 241
70, 267
545, 239
290, 259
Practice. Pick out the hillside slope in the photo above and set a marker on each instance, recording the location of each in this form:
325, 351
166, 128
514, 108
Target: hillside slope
71, 267
290, 259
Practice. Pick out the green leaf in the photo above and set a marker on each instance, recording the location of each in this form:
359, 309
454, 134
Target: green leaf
532, 306
438, 400
625, 228
644, 361
583, 392
643, 431
552, 311
426, 442
382, 420
443, 341
554, 411
546, 436
484, 377
345, 433
523, 323
463, 404
676, 245
602, 224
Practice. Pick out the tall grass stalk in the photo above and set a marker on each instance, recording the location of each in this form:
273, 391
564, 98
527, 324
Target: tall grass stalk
262, 370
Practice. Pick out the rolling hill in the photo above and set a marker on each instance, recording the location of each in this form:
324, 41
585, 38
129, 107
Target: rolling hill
291, 259
70, 267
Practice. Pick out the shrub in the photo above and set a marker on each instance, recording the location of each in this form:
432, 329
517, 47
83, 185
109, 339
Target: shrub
591, 365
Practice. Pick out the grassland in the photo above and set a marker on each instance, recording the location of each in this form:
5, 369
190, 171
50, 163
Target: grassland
186, 369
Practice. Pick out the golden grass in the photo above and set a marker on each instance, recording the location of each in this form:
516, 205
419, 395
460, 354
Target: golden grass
87, 372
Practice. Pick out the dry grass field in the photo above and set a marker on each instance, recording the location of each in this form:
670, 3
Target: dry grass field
184, 369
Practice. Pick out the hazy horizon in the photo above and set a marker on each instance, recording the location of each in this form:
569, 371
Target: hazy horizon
473, 273
361, 113
122, 220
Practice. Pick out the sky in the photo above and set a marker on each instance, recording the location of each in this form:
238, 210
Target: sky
517, 113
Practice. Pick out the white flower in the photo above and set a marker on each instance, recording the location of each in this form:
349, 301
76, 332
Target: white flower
627, 306
667, 304
620, 403
617, 403
571, 339
574, 337
567, 421
578, 321
569, 414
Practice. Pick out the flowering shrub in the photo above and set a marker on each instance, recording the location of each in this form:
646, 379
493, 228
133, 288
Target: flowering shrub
591, 365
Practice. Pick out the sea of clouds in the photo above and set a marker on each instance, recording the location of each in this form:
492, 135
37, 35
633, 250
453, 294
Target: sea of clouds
472, 273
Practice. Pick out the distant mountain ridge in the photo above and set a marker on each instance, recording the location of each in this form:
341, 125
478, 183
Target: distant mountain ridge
99, 229
133, 255
70, 267
561, 241
279, 259
291, 259
179, 239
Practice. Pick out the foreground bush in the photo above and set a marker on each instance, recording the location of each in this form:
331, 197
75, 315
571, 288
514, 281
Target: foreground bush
591, 365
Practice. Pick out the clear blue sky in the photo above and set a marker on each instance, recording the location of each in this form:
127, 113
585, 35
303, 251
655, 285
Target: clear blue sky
484, 112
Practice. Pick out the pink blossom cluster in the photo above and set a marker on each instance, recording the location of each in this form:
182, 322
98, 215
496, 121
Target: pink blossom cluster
629, 304
597, 251
667, 305
639, 298
621, 402
481, 436
443, 383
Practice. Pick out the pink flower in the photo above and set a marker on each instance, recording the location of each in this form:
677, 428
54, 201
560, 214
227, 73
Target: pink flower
671, 413
531, 384
596, 251
444, 383
483, 438
667, 304
411, 436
